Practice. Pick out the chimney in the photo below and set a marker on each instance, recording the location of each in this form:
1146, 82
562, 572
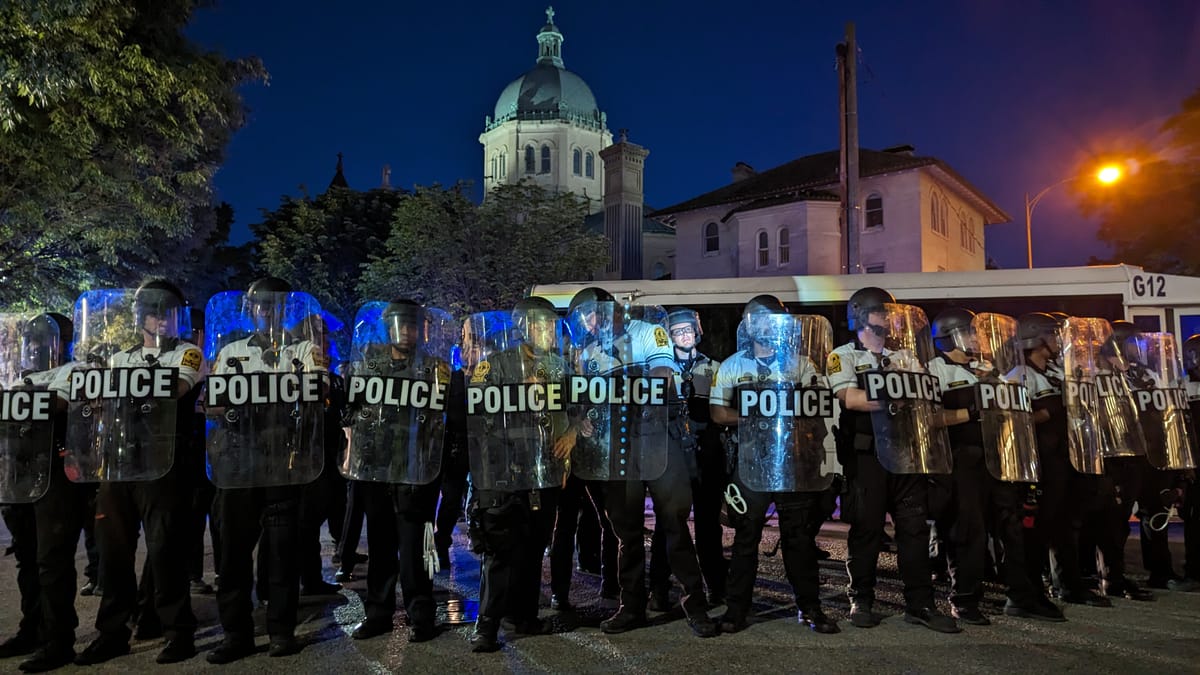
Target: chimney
742, 171
624, 164
904, 150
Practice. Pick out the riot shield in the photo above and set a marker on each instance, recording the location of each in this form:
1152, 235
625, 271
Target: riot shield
265, 399
1087, 432
397, 384
26, 410
909, 434
1159, 386
1005, 412
516, 403
124, 392
783, 402
611, 384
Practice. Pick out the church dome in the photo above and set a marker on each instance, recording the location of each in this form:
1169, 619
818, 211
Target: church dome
549, 91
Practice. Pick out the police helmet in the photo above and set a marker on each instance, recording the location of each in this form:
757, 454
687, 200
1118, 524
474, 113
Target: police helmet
401, 312
264, 289
1122, 332
1033, 327
589, 295
530, 308
1061, 316
863, 302
195, 324
43, 341
950, 323
1191, 353
678, 315
764, 304
157, 297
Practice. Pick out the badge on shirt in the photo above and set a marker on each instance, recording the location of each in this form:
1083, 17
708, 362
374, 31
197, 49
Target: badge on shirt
660, 336
862, 367
746, 378
481, 371
191, 359
956, 385
833, 365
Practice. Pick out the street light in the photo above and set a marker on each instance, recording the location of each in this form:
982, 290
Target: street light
1106, 175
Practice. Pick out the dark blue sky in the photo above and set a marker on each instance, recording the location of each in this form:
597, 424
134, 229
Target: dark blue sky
1014, 95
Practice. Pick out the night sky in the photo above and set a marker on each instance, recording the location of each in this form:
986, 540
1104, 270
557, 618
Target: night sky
1015, 95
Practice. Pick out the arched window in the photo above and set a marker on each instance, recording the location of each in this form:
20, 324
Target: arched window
933, 211
874, 211
764, 249
503, 165
712, 239
545, 159
530, 162
589, 166
577, 162
494, 175
785, 246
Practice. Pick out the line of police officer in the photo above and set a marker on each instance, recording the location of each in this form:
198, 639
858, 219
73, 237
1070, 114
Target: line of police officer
620, 405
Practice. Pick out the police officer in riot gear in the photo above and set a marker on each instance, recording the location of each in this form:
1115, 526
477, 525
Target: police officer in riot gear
1190, 513
264, 516
694, 380
872, 490
768, 360
157, 506
1059, 510
510, 529
639, 347
45, 534
397, 512
978, 500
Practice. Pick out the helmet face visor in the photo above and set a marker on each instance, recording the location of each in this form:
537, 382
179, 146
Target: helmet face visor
157, 314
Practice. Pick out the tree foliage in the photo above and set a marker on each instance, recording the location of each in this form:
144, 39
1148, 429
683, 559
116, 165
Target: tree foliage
1152, 216
112, 125
320, 245
447, 251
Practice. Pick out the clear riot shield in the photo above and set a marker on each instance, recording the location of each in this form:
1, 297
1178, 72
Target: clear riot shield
124, 392
909, 434
1082, 339
1005, 412
610, 384
783, 401
1159, 386
397, 384
265, 398
26, 408
516, 403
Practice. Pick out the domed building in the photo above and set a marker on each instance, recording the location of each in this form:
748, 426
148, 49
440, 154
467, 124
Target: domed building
547, 127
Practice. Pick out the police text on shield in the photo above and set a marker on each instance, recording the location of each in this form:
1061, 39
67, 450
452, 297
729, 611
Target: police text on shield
108, 383
400, 392
895, 385
785, 402
255, 388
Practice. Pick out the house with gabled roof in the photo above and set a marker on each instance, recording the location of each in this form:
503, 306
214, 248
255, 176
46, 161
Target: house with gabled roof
917, 215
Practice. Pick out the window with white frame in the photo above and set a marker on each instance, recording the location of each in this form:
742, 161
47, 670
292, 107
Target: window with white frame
712, 239
785, 246
589, 166
874, 211
577, 162
545, 159
530, 159
764, 249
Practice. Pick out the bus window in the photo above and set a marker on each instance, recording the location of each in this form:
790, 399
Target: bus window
1189, 325
1148, 323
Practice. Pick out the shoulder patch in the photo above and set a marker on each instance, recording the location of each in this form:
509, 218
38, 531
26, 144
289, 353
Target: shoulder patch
660, 336
833, 365
481, 371
191, 359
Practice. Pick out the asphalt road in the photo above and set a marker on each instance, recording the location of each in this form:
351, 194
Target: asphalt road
1159, 637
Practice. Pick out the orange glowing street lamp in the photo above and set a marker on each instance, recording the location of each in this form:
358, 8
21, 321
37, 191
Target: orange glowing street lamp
1105, 175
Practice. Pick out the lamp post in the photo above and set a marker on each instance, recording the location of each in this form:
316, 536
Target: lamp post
1107, 175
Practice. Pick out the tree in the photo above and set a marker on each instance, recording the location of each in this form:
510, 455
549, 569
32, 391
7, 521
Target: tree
1152, 217
111, 126
320, 245
214, 265
447, 251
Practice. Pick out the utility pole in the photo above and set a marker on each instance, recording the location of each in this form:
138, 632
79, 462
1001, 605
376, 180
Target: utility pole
847, 53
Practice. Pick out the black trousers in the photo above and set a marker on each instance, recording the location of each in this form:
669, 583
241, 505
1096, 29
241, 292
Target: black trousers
511, 537
1133, 479
450, 508
871, 494
1191, 530
352, 523
159, 507
314, 510
579, 503
21, 521
1066, 495
396, 517
708, 493
980, 504
797, 511
65, 510
671, 494
245, 515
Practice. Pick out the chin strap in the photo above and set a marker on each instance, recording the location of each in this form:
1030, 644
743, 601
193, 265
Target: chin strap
432, 566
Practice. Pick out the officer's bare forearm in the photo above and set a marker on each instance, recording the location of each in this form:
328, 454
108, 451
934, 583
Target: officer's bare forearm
723, 414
